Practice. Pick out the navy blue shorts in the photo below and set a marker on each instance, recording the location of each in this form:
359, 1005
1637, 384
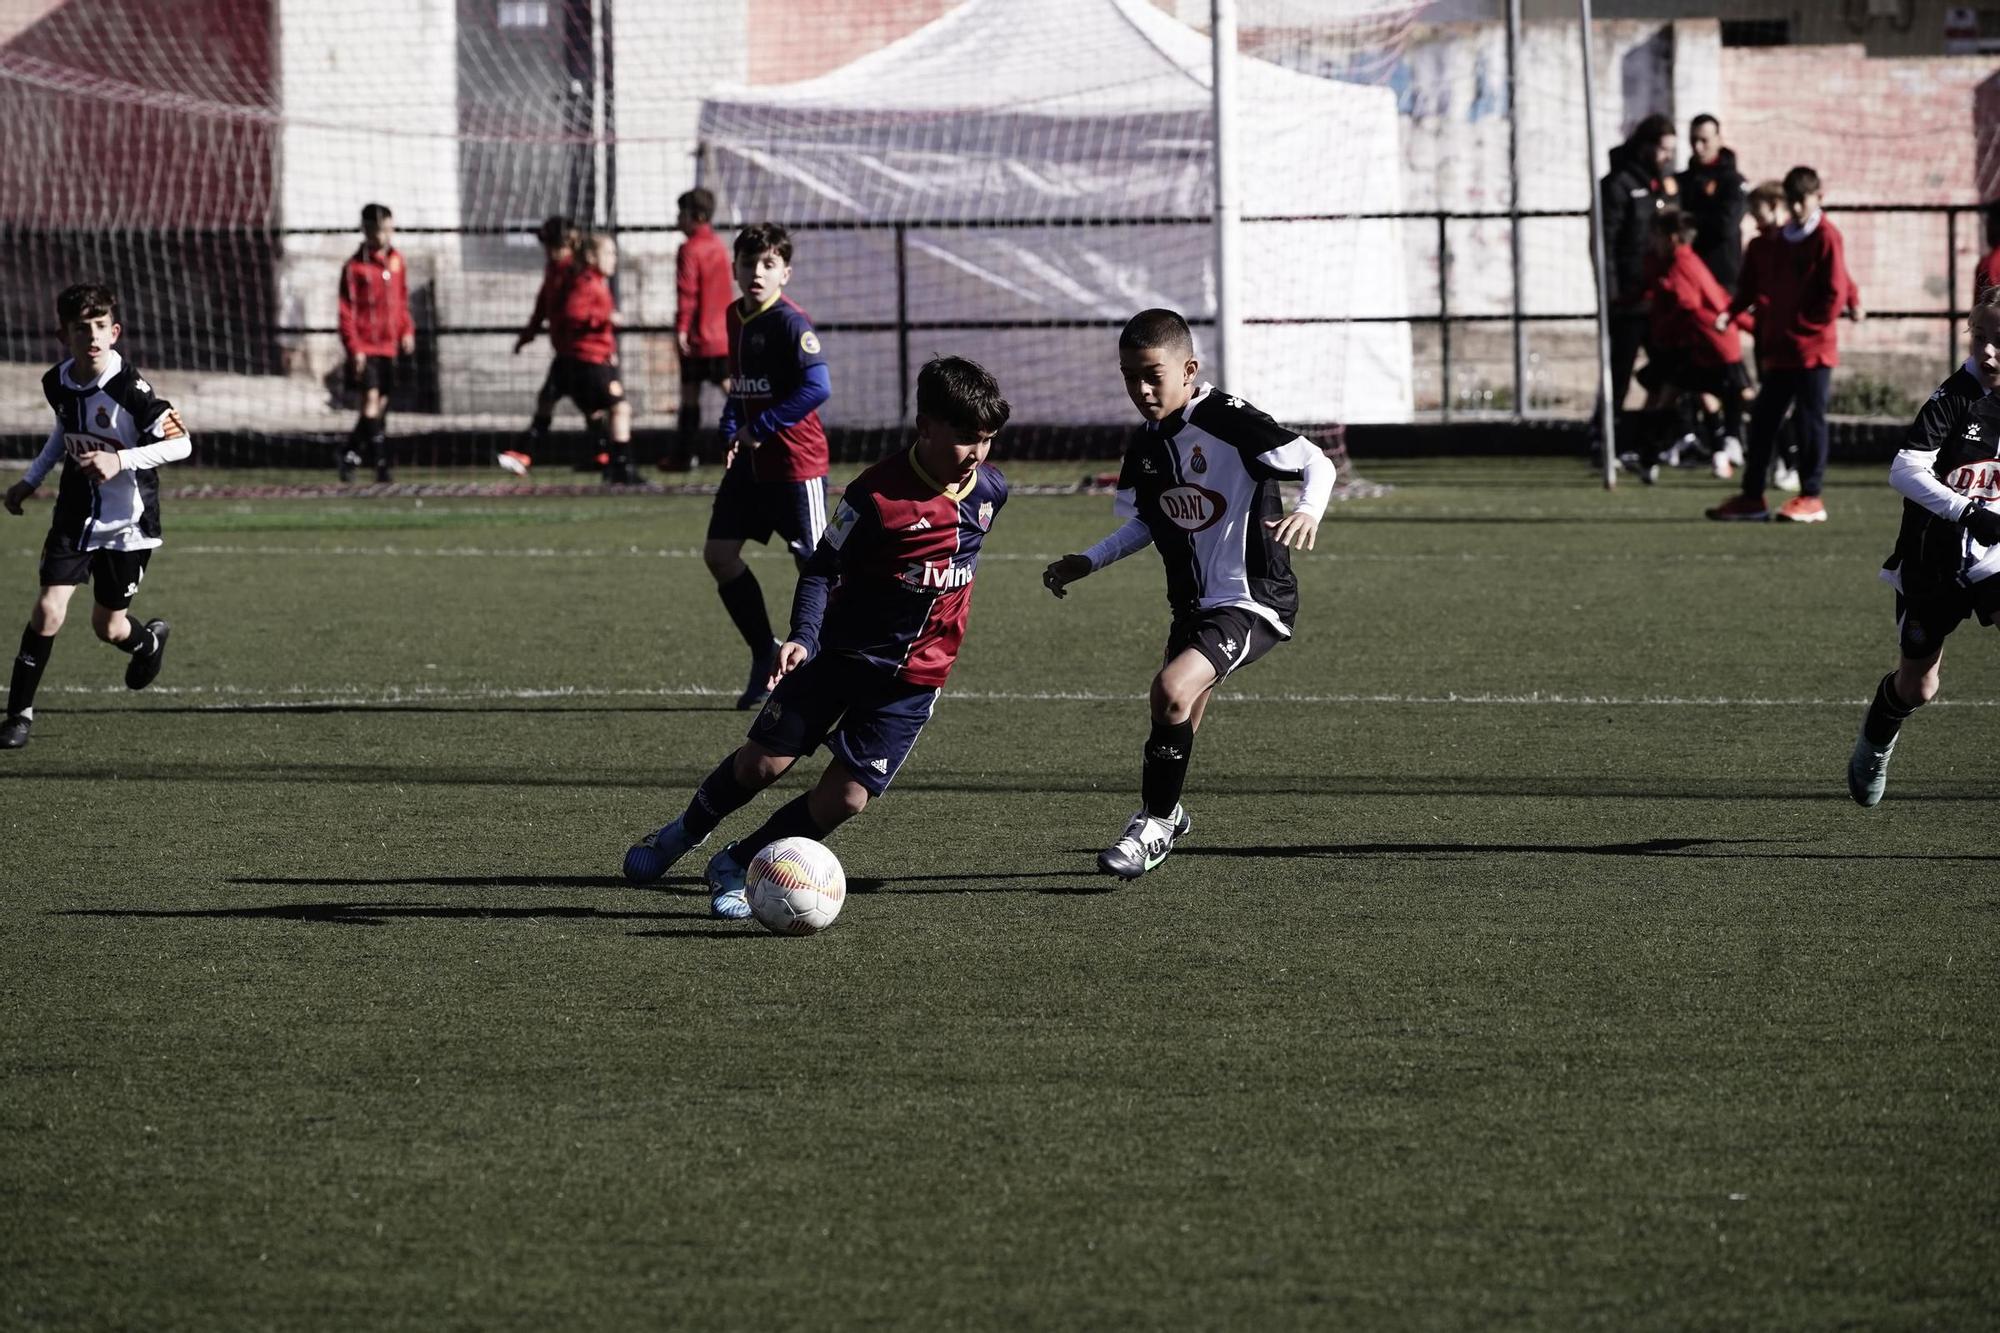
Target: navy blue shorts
749, 510
868, 719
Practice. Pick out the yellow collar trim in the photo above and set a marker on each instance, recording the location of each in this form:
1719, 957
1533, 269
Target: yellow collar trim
940, 487
760, 309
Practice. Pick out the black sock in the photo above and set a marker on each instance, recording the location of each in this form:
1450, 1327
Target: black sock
719, 796
743, 598
793, 819
1165, 771
538, 428
28, 668
1887, 714
140, 640
378, 441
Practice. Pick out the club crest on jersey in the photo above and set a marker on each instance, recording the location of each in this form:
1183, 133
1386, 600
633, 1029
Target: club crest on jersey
984, 518
103, 417
1197, 463
1191, 507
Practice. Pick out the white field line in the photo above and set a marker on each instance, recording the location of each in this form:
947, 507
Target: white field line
1034, 557
227, 698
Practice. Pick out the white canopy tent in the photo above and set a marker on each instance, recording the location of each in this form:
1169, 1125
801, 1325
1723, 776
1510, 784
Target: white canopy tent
1051, 161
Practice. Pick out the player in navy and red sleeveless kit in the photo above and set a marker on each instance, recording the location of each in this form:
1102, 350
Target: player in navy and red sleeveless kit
877, 622
775, 476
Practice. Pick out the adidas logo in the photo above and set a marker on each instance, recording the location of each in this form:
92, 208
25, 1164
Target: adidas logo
879, 765
919, 525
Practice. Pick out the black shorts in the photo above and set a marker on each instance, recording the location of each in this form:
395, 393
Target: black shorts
593, 386
866, 717
1678, 369
1926, 616
114, 576
704, 370
1228, 636
377, 372
749, 510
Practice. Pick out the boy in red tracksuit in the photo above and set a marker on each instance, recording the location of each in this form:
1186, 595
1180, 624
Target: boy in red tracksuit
375, 326
584, 329
1691, 355
702, 293
559, 240
1802, 278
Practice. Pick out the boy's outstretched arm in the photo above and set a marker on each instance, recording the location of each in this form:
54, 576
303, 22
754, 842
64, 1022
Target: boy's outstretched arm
1134, 536
43, 464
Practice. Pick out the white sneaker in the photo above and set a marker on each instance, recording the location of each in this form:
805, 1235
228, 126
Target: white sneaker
1682, 451
1728, 458
1144, 844
1783, 475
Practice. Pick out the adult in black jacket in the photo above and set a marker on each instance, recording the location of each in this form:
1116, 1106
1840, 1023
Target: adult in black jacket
1637, 187
1712, 194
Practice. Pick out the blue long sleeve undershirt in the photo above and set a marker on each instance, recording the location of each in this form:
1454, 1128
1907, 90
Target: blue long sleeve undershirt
814, 389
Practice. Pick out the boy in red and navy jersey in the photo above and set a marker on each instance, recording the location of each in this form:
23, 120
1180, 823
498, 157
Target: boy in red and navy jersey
877, 622
774, 477
375, 327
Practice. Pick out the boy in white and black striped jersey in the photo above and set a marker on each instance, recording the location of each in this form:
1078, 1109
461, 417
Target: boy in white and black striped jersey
111, 432
1199, 481
1946, 565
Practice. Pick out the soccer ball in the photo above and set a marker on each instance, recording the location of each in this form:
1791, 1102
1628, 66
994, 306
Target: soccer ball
796, 886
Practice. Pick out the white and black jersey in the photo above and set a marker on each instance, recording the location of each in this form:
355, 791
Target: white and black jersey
1203, 482
1949, 462
116, 410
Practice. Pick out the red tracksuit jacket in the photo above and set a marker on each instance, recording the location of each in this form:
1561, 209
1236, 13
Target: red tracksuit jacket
1686, 299
374, 303
1802, 287
580, 326
703, 288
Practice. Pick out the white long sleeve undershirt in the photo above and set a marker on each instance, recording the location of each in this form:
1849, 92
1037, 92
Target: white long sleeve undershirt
1914, 477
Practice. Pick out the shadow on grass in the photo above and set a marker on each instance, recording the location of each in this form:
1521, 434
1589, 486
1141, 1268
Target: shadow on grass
1734, 849
552, 708
372, 914
1082, 883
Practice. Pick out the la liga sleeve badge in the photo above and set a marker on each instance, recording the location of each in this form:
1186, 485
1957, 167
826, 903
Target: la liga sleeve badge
809, 343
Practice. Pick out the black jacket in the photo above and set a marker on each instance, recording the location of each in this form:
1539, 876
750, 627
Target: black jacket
1630, 194
1714, 197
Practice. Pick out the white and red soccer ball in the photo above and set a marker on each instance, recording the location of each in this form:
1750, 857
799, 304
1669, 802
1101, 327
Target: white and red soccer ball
796, 886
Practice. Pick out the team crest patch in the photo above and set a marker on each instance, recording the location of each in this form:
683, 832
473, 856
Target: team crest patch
103, 417
809, 343
1197, 463
984, 518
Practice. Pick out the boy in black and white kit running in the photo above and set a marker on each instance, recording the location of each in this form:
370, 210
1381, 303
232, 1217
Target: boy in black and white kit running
111, 432
1199, 481
1946, 565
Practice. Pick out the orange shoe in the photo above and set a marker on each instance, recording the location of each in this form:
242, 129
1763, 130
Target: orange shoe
1741, 509
1801, 509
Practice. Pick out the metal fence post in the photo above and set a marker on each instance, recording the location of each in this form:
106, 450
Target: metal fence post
902, 326
1950, 285
1444, 316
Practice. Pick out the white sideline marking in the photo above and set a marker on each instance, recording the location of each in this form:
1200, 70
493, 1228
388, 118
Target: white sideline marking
243, 697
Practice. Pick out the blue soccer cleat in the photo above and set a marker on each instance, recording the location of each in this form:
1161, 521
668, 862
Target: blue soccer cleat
729, 895
653, 855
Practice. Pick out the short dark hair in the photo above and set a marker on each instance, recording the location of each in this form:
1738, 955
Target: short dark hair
557, 230
85, 300
962, 394
699, 202
1674, 222
1703, 119
1800, 182
1157, 328
1768, 192
1651, 130
758, 237
374, 213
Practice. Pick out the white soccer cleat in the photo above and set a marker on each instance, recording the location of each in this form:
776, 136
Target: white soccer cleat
1868, 770
1145, 843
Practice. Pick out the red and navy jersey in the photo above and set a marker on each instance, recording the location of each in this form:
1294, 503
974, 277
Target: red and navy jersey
777, 380
891, 581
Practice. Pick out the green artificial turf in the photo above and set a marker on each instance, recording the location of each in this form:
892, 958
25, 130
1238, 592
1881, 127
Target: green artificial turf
1527, 967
